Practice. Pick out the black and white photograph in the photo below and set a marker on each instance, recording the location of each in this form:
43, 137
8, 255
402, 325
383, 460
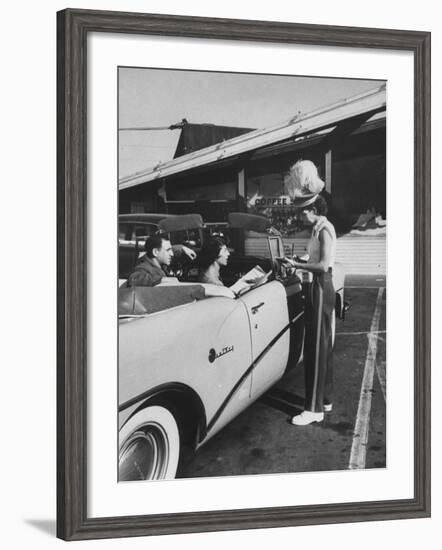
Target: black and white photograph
252, 264
220, 313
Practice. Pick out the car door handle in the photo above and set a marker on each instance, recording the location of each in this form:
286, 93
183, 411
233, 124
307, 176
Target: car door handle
255, 308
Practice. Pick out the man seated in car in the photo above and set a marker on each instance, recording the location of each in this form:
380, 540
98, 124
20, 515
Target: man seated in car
149, 271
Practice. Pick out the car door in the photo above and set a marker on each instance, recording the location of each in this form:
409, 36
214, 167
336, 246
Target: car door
270, 336
204, 346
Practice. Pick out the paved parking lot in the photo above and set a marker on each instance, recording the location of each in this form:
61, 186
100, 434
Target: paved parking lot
261, 440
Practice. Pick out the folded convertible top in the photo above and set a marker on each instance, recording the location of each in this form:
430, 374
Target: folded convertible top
141, 300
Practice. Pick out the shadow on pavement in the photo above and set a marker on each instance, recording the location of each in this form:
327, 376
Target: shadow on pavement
284, 401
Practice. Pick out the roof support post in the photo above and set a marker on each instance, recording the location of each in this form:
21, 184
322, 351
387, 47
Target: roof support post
241, 189
328, 171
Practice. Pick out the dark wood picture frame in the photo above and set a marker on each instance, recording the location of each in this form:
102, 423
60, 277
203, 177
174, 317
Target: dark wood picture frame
73, 27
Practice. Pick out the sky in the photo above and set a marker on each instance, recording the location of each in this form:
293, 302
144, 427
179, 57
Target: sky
161, 97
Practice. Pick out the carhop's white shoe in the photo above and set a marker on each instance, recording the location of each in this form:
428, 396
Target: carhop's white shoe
307, 417
328, 407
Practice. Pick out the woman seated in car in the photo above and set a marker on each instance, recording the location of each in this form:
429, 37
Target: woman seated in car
214, 254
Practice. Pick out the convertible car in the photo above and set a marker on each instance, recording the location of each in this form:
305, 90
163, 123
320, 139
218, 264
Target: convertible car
189, 364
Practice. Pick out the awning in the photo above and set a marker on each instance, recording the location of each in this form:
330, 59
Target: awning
369, 102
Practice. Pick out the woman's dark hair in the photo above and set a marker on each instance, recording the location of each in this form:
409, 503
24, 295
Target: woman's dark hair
210, 251
320, 205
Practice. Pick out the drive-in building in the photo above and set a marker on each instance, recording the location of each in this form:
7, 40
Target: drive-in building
217, 170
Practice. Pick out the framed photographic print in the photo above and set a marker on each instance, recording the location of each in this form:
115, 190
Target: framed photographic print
243, 273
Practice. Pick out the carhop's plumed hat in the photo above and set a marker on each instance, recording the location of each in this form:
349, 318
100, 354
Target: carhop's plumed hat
307, 199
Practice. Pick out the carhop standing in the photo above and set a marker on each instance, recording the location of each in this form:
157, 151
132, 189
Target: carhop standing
304, 184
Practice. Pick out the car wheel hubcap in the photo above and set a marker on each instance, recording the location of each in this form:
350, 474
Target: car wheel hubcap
144, 455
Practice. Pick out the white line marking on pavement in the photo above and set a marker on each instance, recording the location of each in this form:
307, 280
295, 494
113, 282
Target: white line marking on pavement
380, 371
360, 435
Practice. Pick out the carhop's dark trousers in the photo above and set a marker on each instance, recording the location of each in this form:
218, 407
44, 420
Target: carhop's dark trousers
320, 302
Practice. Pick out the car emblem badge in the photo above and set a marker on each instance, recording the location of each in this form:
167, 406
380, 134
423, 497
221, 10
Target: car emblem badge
213, 355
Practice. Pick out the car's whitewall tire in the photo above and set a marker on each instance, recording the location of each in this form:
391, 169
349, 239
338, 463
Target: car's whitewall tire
149, 445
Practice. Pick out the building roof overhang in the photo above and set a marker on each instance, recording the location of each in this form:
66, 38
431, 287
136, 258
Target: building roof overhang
297, 130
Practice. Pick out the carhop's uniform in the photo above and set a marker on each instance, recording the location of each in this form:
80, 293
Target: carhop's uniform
319, 305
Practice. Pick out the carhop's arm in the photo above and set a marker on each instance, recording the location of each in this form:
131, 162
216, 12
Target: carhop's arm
325, 242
